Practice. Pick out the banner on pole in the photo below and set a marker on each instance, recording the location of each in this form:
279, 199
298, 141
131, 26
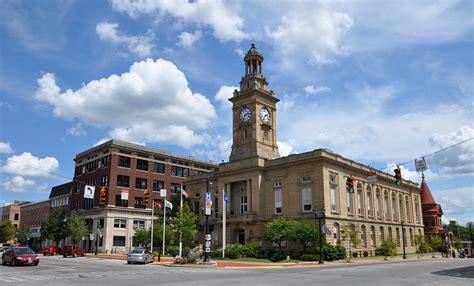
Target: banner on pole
124, 195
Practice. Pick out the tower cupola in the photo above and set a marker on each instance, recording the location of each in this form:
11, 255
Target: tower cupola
253, 77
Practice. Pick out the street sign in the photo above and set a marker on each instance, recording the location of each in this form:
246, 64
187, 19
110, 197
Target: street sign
91, 236
208, 243
207, 237
372, 177
124, 195
420, 165
208, 196
163, 193
89, 192
208, 249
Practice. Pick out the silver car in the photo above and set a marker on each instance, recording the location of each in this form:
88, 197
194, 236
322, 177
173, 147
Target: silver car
140, 255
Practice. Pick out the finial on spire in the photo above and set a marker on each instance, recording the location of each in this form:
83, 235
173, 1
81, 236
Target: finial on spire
422, 176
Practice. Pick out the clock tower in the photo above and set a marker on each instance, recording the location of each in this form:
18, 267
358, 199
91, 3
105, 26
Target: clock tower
254, 113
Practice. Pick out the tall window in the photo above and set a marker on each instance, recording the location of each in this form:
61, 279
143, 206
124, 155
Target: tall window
138, 224
157, 185
402, 208
394, 207
336, 233
120, 223
139, 203
363, 235
360, 200
411, 237
88, 203
278, 200
397, 231
118, 241
124, 161
159, 168
306, 199
140, 183
390, 232
417, 210
378, 203
243, 205
369, 201
119, 202
179, 171
372, 236
123, 181
104, 180
350, 203
142, 165
385, 205
333, 190
382, 234
407, 209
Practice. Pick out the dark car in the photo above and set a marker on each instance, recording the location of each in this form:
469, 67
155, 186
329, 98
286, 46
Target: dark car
50, 250
72, 250
20, 256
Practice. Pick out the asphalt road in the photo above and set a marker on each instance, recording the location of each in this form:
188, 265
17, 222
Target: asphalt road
92, 271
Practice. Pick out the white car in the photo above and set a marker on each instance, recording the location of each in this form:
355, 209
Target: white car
139, 255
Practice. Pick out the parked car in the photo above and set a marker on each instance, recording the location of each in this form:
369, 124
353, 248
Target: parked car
20, 256
139, 255
72, 250
51, 250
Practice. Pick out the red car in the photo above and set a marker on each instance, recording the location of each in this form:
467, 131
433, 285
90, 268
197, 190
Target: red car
72, 250
20, 256
50, 250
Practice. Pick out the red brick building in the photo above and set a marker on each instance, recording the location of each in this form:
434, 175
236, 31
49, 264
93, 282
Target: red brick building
125, 171
33, 215
432, 211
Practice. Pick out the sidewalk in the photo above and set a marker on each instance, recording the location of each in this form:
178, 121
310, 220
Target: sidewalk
168, 261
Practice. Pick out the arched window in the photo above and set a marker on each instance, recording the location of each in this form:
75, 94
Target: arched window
363, 235
378, 203
360, 200
350, 203
390, 232
385, 205
382, 234
402, 208
411, 237
407, 209
336, 233
334, 195
397, 231
394, 207
369, 201
372, 236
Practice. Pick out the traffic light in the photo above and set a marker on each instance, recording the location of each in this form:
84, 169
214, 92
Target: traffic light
350, 184
146, 194
102, 197
398, 176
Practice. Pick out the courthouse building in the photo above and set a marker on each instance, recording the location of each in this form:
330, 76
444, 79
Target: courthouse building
261, 185
125, 171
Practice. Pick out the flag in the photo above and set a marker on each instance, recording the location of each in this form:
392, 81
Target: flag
225, 197
157, 204
168, 204
184, 193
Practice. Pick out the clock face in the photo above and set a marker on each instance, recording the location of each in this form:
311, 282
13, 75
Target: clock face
245, 114
265, 115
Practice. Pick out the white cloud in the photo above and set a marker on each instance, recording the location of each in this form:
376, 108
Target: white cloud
187, 40
222, 96
457, 160
222, 17
284, 148
139, 45
101, 141
411, 175
314, 90
77, 130
29, 165
313, 31
17, 184
455, 202
150, 103
5, 148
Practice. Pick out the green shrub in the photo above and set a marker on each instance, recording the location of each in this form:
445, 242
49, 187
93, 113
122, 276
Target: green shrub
388, 248
340, 252
277, 257
216, 254
424, 248
310, 257
155, 253
250, 250
172, 250
233, 251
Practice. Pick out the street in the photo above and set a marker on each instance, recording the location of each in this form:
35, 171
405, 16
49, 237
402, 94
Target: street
57, 270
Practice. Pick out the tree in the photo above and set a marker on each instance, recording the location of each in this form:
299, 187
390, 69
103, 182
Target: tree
304, 232
421, 244
158, 234
279, 230
185, 224
7, 231
55, 227
351, 233
76, 226
142, 236
23, 234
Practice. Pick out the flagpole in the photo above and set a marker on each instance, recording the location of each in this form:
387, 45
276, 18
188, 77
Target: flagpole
180, 230
224, 216
164, 220
152, 215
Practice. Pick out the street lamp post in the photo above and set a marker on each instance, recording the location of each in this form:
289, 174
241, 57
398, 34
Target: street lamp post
403, 239
206, 254
320, 217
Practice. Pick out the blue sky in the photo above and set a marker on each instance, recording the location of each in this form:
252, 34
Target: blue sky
379, 82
